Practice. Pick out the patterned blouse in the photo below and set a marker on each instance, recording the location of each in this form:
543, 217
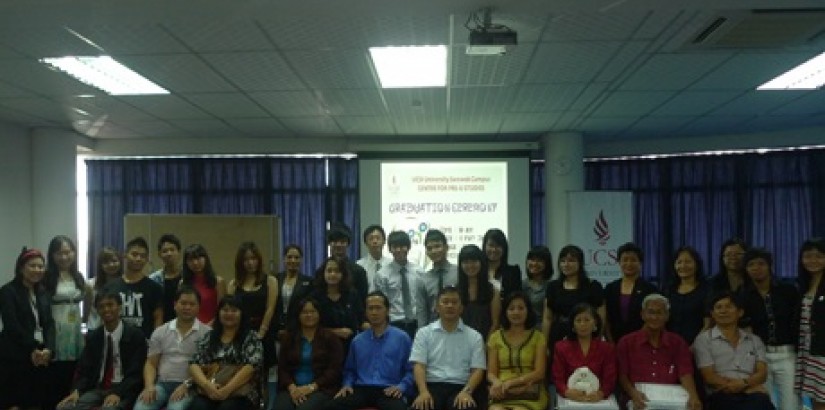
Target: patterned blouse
251, 353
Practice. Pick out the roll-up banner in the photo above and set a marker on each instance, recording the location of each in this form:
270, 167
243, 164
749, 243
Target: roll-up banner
600, 222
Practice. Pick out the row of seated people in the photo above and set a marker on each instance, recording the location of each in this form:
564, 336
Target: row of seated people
446, 360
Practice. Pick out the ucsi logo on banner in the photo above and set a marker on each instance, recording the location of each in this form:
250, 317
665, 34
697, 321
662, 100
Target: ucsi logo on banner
599, 223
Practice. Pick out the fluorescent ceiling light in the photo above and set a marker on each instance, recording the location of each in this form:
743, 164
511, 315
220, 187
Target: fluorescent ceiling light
105, 73
410, 66
809, 75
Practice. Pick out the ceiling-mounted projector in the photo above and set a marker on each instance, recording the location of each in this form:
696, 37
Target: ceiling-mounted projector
491, 42
487, 38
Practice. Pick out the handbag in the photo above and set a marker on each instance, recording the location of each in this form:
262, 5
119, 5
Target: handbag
530, 392
222, 373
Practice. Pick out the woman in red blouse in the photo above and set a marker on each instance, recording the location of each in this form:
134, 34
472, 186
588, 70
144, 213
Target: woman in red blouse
583, 347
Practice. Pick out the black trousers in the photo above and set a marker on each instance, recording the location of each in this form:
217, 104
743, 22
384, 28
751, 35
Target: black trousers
364, 396
740, 401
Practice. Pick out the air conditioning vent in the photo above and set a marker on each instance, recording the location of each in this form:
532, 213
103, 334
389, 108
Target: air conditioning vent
762, 29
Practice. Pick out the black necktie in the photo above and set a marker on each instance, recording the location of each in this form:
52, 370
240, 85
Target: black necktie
405, 294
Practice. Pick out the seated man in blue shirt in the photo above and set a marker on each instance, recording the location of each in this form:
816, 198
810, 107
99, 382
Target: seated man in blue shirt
448, 358
377, 372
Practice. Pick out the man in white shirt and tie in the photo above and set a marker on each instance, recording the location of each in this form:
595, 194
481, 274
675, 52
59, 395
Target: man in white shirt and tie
443, 273
399, 280
374, 238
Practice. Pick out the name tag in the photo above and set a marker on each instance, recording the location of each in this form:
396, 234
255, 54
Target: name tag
38, 335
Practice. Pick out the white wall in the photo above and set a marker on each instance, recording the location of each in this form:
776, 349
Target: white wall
54, 182
16, 197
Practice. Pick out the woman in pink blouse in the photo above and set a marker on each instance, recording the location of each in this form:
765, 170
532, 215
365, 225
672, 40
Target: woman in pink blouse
583, 347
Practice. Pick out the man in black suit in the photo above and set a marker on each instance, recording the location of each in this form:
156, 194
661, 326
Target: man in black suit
338, 239
111, 366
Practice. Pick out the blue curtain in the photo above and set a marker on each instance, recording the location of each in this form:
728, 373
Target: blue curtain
537, 227
342, 199
293, 188
774, 200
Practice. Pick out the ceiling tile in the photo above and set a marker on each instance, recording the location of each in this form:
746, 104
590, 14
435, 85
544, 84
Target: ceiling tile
38, 41
38, 107
256, 71
749, 70
569, 62
657, 21
290, 103
813, 102
628, 103
418, 111
224, 34
156, 129
612, 25
312, 126
465, 123
107, 130
114, 109
529, 122
165, 107
260, 127
592, 93
333, 68
9, 90
178, 73
660, 127
694, 103
7, 53
366, 102
365, 125
481, 101
680, 32
36, 77
568, 120
768, 123
531, 98
227, 105
757, 102
117, 39
606, 126
629, 54
206, 128
715, 124
489, 70
673, 71
331, 31
17, 117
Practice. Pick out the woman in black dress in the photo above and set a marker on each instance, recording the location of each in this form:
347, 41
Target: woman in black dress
571, 287
687, 291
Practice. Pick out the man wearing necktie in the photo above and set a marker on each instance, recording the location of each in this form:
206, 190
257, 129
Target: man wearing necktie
374, 238
399, 281
442, 274
109, 373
